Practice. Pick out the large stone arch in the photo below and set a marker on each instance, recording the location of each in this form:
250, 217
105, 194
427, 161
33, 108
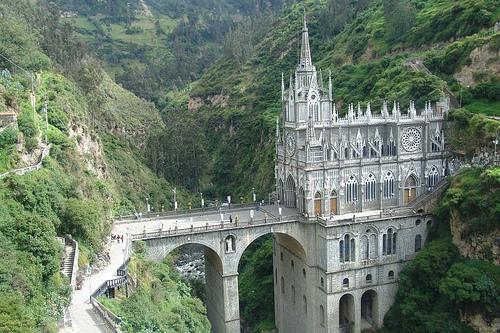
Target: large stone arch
293, 243
369, 309
159, 248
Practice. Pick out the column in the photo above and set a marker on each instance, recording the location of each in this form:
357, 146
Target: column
357, 313
222, 300
231, 303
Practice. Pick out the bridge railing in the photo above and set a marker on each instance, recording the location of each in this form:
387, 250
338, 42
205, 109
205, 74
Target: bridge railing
181, 213
111, 319
210, 227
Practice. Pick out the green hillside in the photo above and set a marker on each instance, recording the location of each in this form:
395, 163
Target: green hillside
235, 103
96, 165
154, 46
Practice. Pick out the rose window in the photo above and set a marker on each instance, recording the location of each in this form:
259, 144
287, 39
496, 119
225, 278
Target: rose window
411, 139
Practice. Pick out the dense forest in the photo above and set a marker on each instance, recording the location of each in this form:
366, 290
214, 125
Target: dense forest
144, 96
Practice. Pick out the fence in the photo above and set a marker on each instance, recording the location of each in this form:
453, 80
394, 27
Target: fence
28, 169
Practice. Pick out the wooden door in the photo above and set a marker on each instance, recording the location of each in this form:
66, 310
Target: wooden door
333, 206
410, 194
317, 207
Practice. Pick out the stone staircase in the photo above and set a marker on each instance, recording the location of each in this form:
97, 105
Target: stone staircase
69, 260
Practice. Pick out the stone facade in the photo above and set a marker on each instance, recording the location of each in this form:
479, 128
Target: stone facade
350, 167
331, 165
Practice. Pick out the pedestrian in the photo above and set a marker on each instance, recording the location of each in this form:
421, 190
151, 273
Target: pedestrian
236, 219
121, 237
265, 217
230, 219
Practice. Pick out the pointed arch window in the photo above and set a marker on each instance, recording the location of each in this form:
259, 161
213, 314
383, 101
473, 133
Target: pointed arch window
433, 177
352, 190
388, 188
371, 184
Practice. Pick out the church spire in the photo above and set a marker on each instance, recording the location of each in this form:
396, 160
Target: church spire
305, 50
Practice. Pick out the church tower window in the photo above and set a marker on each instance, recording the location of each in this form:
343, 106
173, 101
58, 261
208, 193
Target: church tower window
388, 189
370, 192
352, 190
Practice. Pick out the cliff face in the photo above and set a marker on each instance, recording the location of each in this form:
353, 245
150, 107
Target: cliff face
478, 246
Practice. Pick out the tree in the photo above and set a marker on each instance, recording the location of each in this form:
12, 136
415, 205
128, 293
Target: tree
399, 18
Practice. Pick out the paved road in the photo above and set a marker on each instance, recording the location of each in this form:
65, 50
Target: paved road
84, 319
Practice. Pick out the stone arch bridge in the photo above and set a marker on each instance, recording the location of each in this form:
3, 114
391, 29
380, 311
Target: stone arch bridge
316, 289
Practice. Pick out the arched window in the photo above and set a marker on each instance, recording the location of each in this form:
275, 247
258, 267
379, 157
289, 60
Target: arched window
365, 248
388, 189
372, 246
230, 244
347, 249
391, 275
370, 191
345, 283
321, 315
293, 294
369, 278
322, 282
304, 301
282, 285
433, 177
281, 256
417, 222
304, 272
418, 243
292, 264
352, 189
389, 242
341, 251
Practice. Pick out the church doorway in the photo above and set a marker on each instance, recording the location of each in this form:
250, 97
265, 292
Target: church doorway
410, 191
317, 204
333, 203
369, 311
346, 313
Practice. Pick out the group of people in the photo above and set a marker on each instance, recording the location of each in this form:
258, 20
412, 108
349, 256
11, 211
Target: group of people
117, 238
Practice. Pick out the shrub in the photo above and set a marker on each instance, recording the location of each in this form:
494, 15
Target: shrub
8, 137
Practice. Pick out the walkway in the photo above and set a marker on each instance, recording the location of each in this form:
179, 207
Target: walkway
83, 317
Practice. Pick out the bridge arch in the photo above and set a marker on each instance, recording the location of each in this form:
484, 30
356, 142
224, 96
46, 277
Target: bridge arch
290, 242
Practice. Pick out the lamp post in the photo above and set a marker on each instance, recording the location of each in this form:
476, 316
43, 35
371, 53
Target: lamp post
254, 197
202, 201
148, 208
175, 199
